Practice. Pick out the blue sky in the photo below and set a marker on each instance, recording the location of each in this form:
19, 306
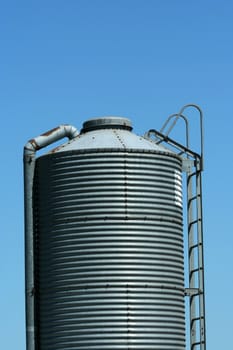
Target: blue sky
67, 61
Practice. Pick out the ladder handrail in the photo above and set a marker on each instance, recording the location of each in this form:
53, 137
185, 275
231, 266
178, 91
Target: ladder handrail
176, 116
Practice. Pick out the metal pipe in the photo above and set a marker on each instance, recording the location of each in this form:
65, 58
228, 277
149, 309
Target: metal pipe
29, 167
49, 137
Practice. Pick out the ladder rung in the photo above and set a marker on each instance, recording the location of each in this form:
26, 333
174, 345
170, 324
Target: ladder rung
193, 222
197, 319
194, 246
193, 198
193, 174
195, 270
197, 343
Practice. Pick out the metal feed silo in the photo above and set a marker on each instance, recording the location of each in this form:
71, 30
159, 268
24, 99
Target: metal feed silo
104, 241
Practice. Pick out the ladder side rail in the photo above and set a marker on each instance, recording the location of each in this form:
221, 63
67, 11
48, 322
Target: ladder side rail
201, 260
196, 261
191, 258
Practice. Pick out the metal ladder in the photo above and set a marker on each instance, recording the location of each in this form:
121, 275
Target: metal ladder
193, 166
195, 254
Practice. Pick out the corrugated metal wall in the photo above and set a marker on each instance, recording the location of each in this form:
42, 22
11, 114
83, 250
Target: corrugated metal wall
109, 251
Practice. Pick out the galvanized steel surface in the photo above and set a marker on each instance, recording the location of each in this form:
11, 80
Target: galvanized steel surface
107, 122
109, 250
109, 133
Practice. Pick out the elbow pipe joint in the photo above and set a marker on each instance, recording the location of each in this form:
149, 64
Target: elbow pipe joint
50, 137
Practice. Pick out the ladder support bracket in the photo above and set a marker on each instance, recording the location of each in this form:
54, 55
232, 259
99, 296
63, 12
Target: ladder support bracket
190, 292
187, 165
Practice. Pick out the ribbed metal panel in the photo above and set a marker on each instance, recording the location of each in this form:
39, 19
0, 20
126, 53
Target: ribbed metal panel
109, 251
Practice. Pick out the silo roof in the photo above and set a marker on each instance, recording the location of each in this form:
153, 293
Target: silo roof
110, 133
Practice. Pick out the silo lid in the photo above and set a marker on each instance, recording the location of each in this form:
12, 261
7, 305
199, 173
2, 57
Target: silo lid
106, 122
